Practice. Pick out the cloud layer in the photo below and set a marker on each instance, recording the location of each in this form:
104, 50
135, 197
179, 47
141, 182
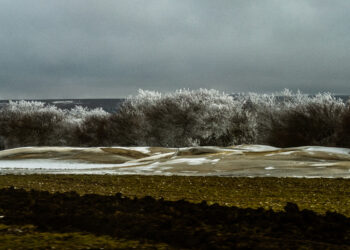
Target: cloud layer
85, 48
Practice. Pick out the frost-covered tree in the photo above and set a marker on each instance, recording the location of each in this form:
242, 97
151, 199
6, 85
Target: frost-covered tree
343, 135
78, 114
292, 119
31, 123
300, 119
26, 123
182, 118
87, 127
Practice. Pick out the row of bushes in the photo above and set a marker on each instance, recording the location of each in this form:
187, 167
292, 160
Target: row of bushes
183, 118
30, 123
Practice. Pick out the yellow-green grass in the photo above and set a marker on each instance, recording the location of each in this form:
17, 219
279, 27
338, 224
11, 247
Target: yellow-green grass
319, 195
27, 237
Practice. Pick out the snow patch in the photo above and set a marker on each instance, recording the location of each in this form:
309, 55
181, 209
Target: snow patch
48, 164
31, 150
144, 150
281, 153
326, 164
154, 157
332, 150
256, 148
149, 167
191, 161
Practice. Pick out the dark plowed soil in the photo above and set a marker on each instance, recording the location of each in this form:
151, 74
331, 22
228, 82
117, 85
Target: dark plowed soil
179, 224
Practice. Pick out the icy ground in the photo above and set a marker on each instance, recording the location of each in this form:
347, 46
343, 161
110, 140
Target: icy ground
242, 160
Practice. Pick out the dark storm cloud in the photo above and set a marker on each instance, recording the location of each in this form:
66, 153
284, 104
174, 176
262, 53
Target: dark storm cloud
85, 48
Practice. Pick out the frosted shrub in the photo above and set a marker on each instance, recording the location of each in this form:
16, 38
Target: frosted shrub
128, 124
182, 118
293, 119
343, 136
2, 143
30, 123
88, 127
305, 120
26, 123
78, 114
259, 109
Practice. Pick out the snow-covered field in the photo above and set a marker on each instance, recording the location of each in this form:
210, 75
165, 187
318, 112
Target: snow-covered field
242, 160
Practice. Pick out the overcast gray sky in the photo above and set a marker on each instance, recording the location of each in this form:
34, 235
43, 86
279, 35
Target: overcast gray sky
101, 48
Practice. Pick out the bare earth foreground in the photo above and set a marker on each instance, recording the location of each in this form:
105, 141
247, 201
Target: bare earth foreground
187, 198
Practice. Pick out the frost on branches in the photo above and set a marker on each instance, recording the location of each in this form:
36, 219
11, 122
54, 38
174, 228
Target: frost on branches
183, 118
31, 123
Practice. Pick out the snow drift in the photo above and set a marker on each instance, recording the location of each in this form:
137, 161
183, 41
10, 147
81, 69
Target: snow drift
242, 160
